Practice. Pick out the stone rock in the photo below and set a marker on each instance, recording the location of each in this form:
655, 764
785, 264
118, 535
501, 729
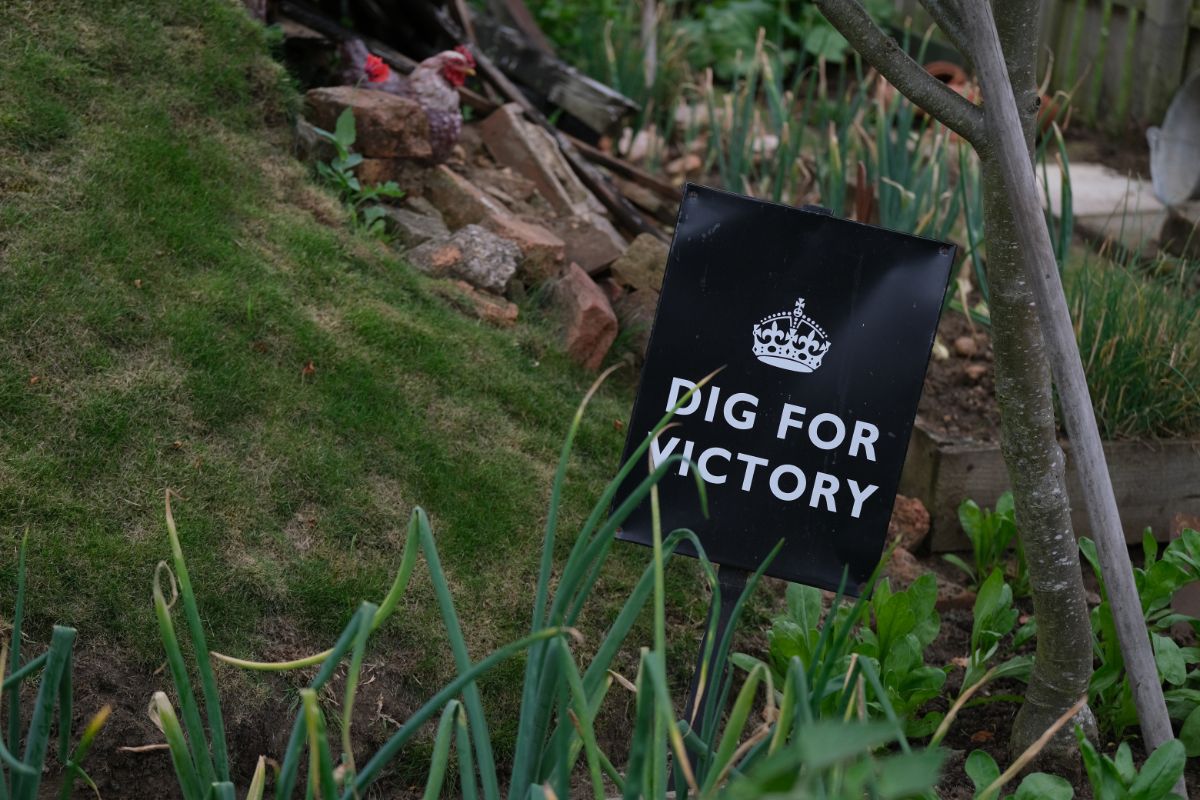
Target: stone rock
589, 324
460, 201
951, 595
641, 196
975, 371
909, 523
474, 254
966, 346
530, 152
387, 125
642, 266
904, 568
505, 181
412, 229
612, 290
542, 253
420, 205
635, 311
408, 175
483, 305
587, 245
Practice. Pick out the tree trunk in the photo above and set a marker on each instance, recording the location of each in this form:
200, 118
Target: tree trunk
1035, 464
1028, 436
1032, 325
1029, 441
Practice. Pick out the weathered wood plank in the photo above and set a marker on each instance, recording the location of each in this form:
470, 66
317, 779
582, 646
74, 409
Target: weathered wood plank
1152, 481
588, 100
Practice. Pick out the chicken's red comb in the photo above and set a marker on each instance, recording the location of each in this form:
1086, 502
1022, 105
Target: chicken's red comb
466, 52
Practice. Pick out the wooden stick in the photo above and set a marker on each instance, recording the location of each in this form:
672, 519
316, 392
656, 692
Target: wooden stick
624, 213
664, 189
516, 12
1031, 752
1002, 121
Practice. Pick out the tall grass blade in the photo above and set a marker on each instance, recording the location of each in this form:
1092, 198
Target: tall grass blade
582, 565
523, 758
181, 757
440, 758
635, 773
717, 700
197, 740
14, 648
258, 783
37, 739
212, 700
352, 675
583, 718
466, 764
31, 666
412, 547
735, 727
66, 701
462, 660
320, 761
288, 772
413, 724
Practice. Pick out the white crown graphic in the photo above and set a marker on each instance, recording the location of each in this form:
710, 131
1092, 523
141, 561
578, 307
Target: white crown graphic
790, 340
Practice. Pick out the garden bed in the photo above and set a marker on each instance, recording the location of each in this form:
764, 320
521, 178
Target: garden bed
954, 453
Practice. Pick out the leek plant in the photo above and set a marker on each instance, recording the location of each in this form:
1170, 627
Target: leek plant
772, 735
23, 756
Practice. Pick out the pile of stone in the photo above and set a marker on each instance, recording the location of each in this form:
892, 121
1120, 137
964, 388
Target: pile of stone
504, 215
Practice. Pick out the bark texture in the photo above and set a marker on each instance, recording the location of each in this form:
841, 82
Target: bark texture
1029, 441
1036, 470
1028, 436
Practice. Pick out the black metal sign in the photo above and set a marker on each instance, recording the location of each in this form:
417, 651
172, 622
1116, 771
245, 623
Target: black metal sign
824, 328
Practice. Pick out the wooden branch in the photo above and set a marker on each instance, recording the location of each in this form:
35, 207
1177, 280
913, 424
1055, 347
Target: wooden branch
664, 189
596, 105
1021, 57
1007, 145
948, 17
327, 27
910, 78
623, 212
517, 13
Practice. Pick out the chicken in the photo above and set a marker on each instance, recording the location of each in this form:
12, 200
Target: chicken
433, 84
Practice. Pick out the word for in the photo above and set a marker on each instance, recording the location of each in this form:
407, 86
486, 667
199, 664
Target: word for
825, 431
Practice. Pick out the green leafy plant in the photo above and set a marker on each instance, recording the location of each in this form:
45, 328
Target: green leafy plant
1117, 778
1157, 581
890, 630
23, 756
740, 754
339, 174
992, 533
904, 626
994, 619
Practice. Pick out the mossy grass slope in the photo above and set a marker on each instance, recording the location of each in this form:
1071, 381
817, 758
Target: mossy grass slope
183, 307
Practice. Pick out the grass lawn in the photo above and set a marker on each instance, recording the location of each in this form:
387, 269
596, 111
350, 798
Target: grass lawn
167, 271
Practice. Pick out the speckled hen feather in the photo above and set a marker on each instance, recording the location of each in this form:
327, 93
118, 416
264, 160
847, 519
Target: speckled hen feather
427, 84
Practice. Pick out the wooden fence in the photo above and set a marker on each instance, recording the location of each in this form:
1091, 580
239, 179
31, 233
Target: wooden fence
1121, 60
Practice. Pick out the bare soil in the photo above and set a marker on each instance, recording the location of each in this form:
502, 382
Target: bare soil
959, 397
